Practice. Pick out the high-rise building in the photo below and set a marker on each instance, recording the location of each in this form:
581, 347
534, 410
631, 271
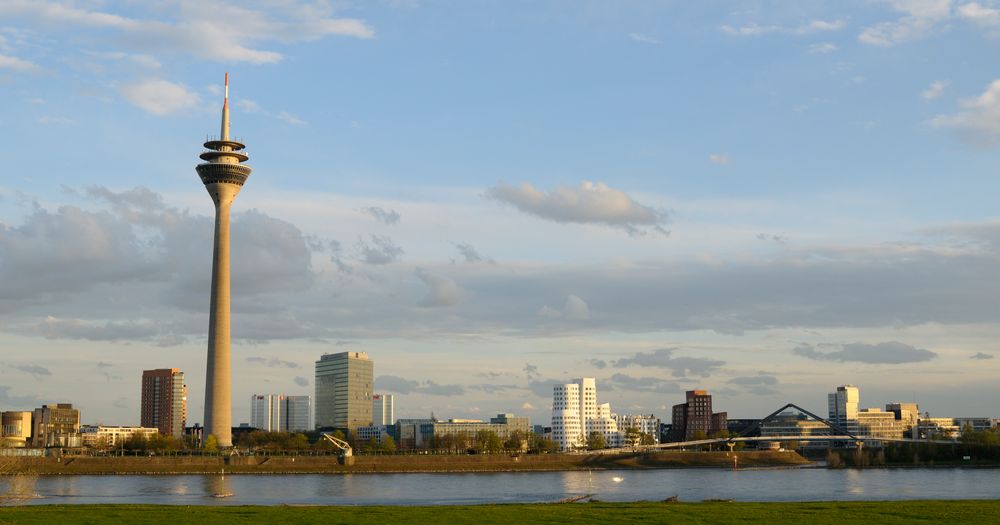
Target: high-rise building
576, 413
567, 429
344, 390
280, 413
383, 410
265, 412
694, 418
842, 407
164, 401
297, 411
223, 175
56, 426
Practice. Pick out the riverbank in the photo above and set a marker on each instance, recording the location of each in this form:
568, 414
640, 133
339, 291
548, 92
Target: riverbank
402, 463
959, 511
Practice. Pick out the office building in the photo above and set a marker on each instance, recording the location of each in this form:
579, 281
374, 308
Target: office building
644, 424
223, 174
297, 412
265, 412
280, 413
56, 426
344, 390
842, 407
794, 424
164, 401
576, 413
16, 428
694, 418
383, 409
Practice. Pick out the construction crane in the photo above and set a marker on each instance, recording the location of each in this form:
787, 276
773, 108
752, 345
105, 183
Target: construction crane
346, 456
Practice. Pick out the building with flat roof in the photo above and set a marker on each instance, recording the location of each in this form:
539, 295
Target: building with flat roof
164, 401
694, 418
104, 437
280, 413
842, 407
56, 426
344, 390
383, 408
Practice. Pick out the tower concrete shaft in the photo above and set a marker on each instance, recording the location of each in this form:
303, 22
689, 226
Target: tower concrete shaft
223, 175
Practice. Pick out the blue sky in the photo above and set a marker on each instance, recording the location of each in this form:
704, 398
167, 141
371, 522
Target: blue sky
765, 199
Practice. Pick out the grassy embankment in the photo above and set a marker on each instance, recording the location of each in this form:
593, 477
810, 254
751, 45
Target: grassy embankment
410, 463
838, 513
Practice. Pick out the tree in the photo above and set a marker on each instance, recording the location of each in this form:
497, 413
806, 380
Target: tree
487, 441
595, 441
632, 436
515, 441
646, 439
388, 445
211, 443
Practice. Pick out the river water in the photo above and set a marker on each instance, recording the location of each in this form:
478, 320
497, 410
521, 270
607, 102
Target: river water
806, 484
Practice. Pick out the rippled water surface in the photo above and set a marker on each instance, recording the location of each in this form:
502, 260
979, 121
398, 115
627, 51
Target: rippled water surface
812, 484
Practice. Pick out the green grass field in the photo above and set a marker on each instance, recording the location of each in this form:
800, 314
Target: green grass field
839, 513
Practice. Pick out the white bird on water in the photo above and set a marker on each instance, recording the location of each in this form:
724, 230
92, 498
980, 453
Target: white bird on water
617, 479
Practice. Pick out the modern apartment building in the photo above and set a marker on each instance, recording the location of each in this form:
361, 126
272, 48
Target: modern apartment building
344, 390
694, 417
383, 409
101, 436
164, 401
56, 426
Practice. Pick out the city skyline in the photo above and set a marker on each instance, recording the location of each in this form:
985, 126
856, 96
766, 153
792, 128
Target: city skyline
489, 201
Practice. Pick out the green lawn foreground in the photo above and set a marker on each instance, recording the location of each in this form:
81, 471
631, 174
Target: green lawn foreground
839, 513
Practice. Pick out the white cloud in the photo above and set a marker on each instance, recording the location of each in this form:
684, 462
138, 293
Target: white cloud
575, 309
586, 203
215, 30
934, 90
812, 27
59, 121
291, 119
823, 48
920, 18
441, 290
160, 97
719, 158
527, 406
979, 122
17, 64
978, 14
639, 37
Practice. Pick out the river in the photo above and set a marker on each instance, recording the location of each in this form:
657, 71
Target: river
806, 484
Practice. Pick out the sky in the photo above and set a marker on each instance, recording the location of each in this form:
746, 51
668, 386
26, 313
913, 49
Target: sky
762, 199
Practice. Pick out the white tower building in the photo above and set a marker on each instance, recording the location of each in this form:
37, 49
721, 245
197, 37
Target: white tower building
566, 423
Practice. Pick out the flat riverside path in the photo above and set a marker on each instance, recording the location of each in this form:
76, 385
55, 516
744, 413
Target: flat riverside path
410, 489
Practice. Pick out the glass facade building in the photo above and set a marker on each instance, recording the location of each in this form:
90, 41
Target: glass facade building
344, 390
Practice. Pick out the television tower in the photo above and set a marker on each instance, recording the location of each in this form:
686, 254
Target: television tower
223, 175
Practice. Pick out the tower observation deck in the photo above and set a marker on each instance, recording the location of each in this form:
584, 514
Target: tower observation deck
223, 175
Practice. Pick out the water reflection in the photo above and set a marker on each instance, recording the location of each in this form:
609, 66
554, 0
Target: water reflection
218, 486
20, 489
506, 487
